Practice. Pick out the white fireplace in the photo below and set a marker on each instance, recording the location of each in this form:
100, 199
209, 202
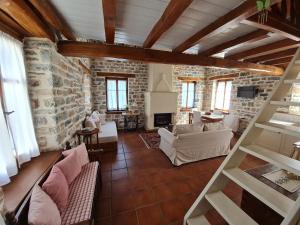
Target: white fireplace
159, 99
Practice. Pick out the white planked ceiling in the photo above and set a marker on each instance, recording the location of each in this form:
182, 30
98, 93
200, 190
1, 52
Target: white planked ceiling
135, 19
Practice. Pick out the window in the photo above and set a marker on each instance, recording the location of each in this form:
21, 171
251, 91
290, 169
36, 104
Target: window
116, 94
18, 142
223, 95
188, 95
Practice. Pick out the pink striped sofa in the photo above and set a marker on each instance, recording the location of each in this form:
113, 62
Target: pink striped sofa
82, 197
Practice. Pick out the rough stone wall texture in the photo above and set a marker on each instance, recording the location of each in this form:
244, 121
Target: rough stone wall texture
59, 92
136, 86
245, 108
182, 117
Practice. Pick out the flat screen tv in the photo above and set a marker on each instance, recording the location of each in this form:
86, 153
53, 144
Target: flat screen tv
247, 92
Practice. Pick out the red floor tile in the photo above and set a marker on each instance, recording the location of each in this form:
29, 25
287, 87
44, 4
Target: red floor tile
144, 197
150, 215
119, 174
163, 192
121, 164
173, 210
127, 218
123, 203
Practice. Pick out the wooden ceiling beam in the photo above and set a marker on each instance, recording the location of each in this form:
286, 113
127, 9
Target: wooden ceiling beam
237, 42
109, 13
98, 50
9, 22
224, 77
241, 12
265, 49
10, 31
173, 11
24, 15
280, 61
277, 55
51, 15
275, 24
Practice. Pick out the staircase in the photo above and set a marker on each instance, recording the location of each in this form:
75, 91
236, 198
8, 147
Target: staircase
213, 197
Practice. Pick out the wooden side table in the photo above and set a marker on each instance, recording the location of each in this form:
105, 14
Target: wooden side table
87, 137
131, 118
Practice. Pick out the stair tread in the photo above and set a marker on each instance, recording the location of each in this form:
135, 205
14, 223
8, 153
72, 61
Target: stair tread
228, 209
285, 103
288, 128
274, 199
274, 158
291, 81
199, 220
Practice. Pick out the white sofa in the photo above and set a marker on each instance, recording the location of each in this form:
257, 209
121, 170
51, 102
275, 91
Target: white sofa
191, 147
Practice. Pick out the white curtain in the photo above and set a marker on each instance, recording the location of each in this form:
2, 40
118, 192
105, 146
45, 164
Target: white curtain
112, 95
122, 94
15, 97
8, 165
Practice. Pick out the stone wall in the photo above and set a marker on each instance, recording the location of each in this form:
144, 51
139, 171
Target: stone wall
59, 92
136, 86
182, 117
245, 108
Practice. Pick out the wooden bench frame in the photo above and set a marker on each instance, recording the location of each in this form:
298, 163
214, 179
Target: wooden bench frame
20, 215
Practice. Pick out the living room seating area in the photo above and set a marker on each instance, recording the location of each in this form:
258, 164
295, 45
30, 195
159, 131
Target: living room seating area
149, 112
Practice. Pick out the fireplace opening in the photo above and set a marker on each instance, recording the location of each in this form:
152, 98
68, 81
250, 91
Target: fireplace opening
162, 119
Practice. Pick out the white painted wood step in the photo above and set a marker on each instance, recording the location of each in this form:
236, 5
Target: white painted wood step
297, 62
285, 103
228, 209
274, 158
284, 129
199, 220
272, 198
295, 81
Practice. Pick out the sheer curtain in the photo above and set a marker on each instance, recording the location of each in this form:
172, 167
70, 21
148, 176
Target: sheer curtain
8, 165
16, 100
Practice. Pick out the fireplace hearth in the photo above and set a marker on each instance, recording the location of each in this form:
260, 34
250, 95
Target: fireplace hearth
162, 119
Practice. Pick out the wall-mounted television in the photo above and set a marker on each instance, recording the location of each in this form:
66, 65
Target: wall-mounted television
247, 92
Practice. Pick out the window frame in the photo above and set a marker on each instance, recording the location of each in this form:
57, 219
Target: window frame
186, 108
226, 81
117, 92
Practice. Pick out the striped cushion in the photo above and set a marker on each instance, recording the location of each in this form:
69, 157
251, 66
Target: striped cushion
81, 196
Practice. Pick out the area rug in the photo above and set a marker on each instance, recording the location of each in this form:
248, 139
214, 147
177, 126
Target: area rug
151, 139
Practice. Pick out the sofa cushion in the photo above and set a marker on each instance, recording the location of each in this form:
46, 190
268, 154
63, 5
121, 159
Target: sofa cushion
108, 133
99, 117
82, 154
213, 126
42, 209
70, 166
56, 186
81, 196
188, 128
90, 122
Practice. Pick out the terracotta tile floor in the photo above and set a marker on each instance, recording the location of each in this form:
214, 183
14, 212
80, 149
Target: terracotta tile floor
141, 187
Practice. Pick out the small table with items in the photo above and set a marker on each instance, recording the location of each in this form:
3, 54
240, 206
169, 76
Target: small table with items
212, 118
260, 212
86, 135
131, 120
